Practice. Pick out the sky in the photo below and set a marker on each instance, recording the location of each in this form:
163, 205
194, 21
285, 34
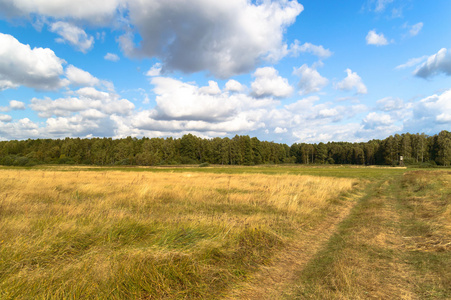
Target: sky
287, 71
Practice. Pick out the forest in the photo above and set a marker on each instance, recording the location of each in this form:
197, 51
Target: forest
404, 149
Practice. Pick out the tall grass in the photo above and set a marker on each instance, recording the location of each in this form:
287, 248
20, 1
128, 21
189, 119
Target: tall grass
133, 235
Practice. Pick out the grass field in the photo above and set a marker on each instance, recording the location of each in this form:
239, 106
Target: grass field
220, 232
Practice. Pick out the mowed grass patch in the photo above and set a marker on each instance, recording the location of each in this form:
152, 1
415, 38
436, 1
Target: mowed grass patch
135, 235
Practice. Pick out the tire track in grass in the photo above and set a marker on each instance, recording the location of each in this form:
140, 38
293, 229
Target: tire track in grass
393, 245
363, 259
272, 281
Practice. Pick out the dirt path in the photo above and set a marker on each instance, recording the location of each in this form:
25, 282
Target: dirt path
273, 281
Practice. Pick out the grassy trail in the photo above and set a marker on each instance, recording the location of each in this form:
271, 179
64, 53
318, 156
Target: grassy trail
395, 244
272, 282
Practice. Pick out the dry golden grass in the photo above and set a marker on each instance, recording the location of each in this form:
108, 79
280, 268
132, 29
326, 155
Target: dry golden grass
121, 235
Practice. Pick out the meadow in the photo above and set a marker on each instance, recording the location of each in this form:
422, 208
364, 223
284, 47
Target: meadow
221, 232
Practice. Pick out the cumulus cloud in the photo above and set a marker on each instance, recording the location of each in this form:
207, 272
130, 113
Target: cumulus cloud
225, 38
311, 81
184, 107
390, 104
92, 11
377, 126
16, 105
13, 105
79, 77
87, 99
37, 68
433, 112
5, 118
20, 129
73, 35
352, 81
324, 119
435, 64
279, 130
211, 89
234, 86
374, 120
80, 126
372, 38
268, 83
319, 51
111, 57
182, 101
155, 70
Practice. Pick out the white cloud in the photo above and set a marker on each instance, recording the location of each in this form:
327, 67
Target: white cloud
279, 130
444, 118
211, 89
88, 99
374, 120
155, 70
328, 132
7, 84
79, 126
381, 5
92, 11
325, 120
37, 68
432, 113
412, 62
234, 86
73, 35
79, 77
5, 118
183, 101
303, 104
225, 38
268, 83
372, 38
13, 105
352, 81
310, 48
93, 114
16, 105
390, 104
415, 29
311, 81
435, 64
184, 107
111, 57
328, 113
20, 129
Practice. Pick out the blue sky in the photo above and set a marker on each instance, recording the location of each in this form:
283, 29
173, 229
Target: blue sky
285, 71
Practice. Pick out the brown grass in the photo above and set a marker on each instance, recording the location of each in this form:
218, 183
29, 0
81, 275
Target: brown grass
129, 235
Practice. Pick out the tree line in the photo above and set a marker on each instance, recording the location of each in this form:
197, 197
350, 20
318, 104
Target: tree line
240, 150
